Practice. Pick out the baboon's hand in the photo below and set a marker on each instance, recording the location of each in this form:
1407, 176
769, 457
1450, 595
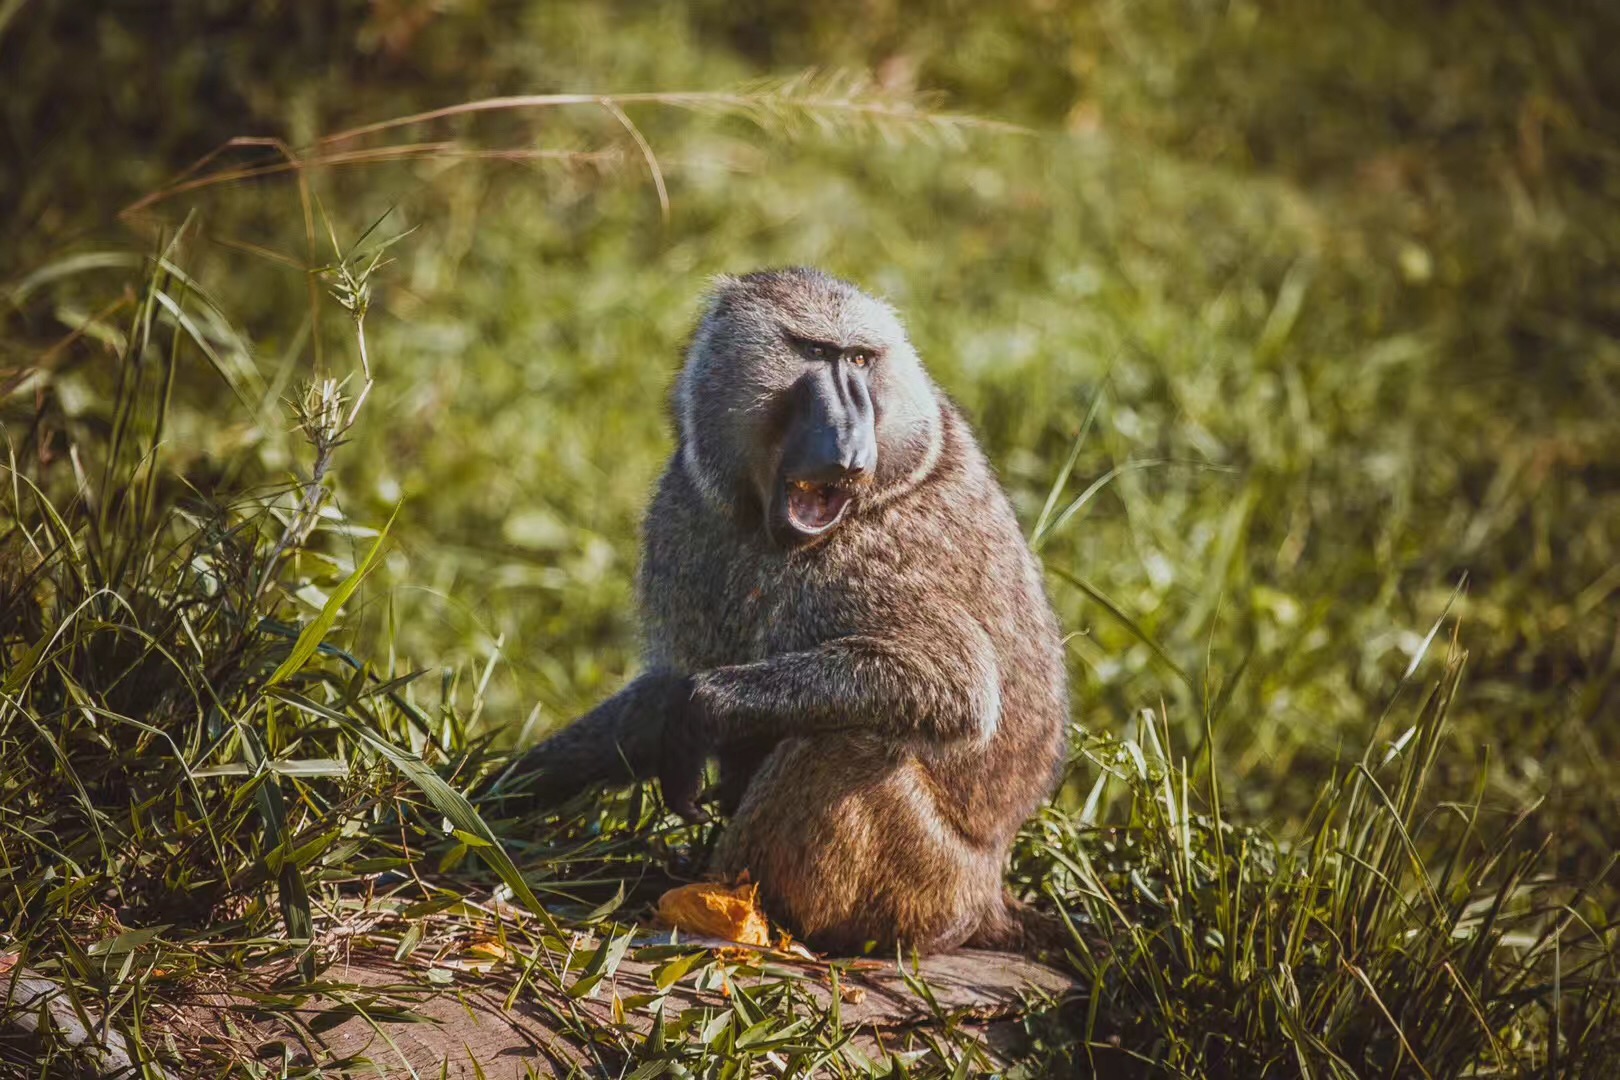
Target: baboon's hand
683, 751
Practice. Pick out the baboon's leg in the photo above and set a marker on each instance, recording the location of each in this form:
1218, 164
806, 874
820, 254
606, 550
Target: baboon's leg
1014, 926
845, 839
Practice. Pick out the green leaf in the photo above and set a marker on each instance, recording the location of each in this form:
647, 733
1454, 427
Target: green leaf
603, 963
670, 973
711, 1030
128, 941
409, 941
446, 799
607, 907
756, 1033
312, 635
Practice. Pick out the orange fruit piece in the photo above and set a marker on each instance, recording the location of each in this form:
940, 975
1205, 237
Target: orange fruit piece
714, 909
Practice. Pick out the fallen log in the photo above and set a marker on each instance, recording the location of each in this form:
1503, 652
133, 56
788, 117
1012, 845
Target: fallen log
373, 1016
34, 1009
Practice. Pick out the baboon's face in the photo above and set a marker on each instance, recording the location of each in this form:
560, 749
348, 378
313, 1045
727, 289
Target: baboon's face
802, 396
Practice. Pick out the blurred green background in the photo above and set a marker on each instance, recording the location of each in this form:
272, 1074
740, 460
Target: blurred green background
1339, 278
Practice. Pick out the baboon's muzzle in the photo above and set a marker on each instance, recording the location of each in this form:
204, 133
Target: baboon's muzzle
829, 450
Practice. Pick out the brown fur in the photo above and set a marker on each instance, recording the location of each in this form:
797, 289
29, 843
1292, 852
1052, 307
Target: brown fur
887, 702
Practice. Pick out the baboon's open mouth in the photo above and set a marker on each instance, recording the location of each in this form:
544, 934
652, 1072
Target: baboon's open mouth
815, 508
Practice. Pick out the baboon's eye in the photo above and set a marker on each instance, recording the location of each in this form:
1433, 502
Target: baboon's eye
814, 350
859, 357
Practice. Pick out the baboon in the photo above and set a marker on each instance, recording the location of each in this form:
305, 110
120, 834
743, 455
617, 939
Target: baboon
839, 606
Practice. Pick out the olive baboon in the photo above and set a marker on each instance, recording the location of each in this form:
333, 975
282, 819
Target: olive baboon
839, 606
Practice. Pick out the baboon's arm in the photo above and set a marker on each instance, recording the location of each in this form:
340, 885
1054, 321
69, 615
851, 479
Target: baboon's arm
615, 743
932, 678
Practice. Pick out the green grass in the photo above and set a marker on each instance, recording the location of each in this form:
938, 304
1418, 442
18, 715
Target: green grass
1278, 324
198, 790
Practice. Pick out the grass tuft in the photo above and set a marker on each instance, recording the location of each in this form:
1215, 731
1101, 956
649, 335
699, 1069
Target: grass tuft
1390, 935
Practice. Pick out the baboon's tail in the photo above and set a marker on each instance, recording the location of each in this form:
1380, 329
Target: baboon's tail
614, 744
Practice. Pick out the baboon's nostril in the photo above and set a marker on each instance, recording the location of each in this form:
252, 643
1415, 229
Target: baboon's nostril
861, 460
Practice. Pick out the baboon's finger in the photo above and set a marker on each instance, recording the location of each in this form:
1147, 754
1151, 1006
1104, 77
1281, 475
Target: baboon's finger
681, 790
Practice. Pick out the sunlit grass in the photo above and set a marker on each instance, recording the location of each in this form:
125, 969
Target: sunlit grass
198, 781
